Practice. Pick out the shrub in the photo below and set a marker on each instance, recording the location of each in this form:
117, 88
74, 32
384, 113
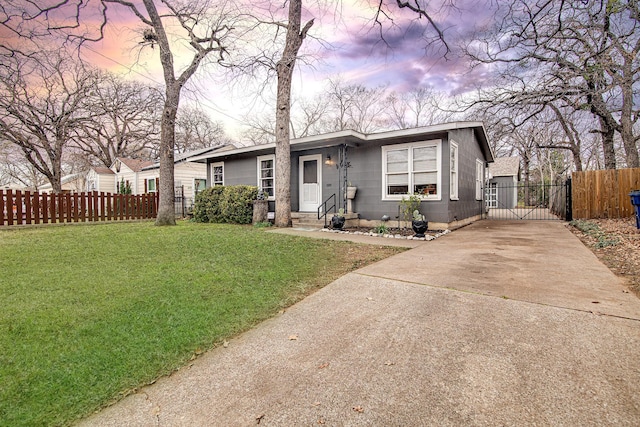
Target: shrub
408, 206
225, 204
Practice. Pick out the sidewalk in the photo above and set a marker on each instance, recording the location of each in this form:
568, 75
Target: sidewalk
498, 323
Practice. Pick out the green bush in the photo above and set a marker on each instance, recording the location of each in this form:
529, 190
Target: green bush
231, 204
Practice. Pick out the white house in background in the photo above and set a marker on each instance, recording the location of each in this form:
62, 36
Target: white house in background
101, 179
143, 175
13, 186
74, 183
502, 186
128, 172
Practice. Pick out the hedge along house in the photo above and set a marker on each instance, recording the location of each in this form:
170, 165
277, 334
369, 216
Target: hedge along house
445, 164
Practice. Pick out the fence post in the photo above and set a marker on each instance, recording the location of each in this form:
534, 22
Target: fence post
569, 200
9, 207
2, 205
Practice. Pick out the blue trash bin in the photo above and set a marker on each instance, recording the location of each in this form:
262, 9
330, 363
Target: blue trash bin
635, 201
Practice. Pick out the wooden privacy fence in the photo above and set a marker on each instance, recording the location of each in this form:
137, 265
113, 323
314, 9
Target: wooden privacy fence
24, 208
604, 193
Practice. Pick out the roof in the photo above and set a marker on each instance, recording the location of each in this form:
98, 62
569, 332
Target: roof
354, 138
64, 180
103, 171
505, 166
135, 165
183, 157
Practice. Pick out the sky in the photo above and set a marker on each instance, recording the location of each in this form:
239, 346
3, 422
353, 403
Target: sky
344, 41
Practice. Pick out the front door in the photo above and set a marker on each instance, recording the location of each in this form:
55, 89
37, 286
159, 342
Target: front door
310, 182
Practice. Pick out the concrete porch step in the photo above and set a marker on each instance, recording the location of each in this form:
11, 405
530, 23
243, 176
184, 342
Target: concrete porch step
310, 219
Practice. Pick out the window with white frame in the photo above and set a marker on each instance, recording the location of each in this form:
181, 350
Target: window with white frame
453, 171
411, 169
217, 174
266, 174
479, 178
151, 185
199, 184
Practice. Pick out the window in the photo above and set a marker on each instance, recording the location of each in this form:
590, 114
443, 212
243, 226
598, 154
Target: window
217, 174
266, 175
151, 185
479, 179
453, 171
199, 184
411, 169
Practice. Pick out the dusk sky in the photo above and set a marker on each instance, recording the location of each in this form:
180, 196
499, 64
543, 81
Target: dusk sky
351, 47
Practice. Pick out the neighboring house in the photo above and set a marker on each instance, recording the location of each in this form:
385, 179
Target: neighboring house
143, 175
12, 186
128, 172
443, 163
74, 183
502, 187
101, 179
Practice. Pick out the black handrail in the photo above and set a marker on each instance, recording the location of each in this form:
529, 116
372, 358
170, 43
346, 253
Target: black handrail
325, 210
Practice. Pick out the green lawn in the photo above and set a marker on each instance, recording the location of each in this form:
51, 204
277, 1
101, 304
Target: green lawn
90, 312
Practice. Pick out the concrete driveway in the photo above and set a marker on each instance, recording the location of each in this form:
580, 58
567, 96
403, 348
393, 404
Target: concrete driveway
498, 323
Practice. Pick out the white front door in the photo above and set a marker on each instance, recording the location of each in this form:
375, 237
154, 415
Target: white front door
310, 182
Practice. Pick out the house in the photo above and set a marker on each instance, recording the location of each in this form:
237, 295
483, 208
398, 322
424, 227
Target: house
445, 164
14, 186
502, 186
142, 175
73, 183
127, 172
101, 179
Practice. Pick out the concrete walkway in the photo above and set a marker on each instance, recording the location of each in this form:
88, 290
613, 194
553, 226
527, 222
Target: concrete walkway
498, 323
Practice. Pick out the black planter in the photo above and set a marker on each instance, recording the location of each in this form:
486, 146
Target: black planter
419, 227
337, 222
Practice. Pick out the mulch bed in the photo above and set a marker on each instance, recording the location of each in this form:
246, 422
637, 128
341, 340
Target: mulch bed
616, 242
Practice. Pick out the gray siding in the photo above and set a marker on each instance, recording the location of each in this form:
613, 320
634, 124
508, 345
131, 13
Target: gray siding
365, 172
507, 191
468, 152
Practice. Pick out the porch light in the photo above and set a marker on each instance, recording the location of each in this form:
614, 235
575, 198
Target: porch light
328, 160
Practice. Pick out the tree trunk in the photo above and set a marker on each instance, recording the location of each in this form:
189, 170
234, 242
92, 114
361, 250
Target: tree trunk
166, 214
283, 148
577, 158
626, 122
284, 70
608, 148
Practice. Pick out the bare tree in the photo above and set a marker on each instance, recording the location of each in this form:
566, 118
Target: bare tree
195, 129
201, 28
295, 35
205, 28
422, 10
421, 106
40, 107
572, 55
14, 168
125, 117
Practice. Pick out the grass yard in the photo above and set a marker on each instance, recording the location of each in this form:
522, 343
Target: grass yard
89, 313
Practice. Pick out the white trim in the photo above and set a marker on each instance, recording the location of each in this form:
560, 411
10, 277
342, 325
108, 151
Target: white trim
479, 178
148, 180
437, 143
336, 138
259, 173
301, 160
213, 166
453, 183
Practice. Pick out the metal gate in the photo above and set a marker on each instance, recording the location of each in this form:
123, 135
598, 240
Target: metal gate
530, 201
